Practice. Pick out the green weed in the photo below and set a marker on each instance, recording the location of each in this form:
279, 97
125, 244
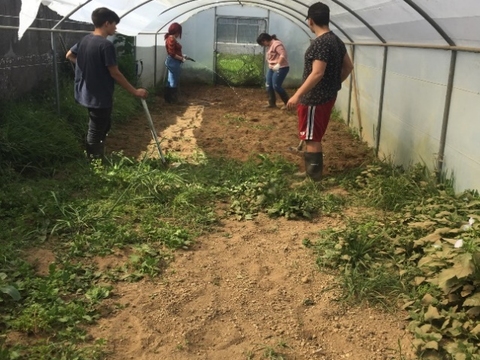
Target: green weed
420, 251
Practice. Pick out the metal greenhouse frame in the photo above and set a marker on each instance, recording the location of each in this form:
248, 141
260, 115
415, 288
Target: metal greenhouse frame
360, 26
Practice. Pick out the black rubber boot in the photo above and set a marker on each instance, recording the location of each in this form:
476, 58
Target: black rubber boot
96, 151
167, 95
313, 165
174, 95
272, 99
284, 98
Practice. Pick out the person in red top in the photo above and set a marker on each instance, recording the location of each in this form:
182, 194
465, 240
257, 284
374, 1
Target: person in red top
278, 68
174, 60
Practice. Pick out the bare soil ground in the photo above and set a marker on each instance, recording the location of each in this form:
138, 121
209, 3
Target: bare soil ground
231, 122
250, 289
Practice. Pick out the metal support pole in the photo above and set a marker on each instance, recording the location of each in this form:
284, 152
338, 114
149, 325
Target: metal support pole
135, 64
155, 63
446, 113
380, 106
349, 116
215, 47
55, 71
31, 28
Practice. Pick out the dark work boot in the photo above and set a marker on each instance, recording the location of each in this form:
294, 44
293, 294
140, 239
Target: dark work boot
174, 95
167, 95
313, 165
272, 99
284, 96
96, 151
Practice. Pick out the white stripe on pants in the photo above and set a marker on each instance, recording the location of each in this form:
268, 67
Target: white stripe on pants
310, 122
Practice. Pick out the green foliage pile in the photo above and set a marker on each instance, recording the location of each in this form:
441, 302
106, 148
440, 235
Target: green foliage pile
240, 70
417, 247
269, 192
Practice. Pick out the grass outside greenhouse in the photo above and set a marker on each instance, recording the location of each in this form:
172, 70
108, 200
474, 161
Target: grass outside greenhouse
240, 70
416, 246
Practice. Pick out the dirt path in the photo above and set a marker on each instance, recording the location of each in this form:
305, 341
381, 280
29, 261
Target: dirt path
250, 290
247, 291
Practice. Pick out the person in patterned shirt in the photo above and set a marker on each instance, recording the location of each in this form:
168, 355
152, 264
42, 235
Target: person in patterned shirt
327, 65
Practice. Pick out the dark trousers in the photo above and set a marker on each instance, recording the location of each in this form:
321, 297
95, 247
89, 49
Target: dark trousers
99, 124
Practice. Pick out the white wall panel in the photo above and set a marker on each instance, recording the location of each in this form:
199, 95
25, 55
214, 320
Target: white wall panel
197, 42
366, 91
413, 107
462, 150
145, 52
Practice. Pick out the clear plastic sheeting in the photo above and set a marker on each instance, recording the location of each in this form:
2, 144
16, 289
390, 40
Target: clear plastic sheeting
28, 13
389, 21
396, 21
460, 19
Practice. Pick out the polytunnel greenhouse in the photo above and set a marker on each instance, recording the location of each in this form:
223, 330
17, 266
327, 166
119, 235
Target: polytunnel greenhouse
414, 92
196, 237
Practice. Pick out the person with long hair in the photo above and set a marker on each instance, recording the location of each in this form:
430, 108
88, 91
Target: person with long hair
278, 68
174, 60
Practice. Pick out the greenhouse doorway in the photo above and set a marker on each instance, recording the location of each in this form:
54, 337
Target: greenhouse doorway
239, 60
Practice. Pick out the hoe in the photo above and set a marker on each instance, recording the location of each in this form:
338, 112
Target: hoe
153, 131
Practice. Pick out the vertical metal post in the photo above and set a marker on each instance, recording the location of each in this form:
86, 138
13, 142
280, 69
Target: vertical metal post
55, 71
446, 113
349, 115
380, 105
215, 47
264, 50
135, 63
155, 62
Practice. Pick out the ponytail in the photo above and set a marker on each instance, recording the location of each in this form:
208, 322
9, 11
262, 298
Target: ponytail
173, 29
265, 37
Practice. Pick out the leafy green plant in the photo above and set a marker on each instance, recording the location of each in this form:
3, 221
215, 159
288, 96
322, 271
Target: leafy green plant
421, 251
449, 320
7, 289
147, 260
240, 70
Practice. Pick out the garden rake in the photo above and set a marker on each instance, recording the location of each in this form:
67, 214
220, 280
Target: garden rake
153, 131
